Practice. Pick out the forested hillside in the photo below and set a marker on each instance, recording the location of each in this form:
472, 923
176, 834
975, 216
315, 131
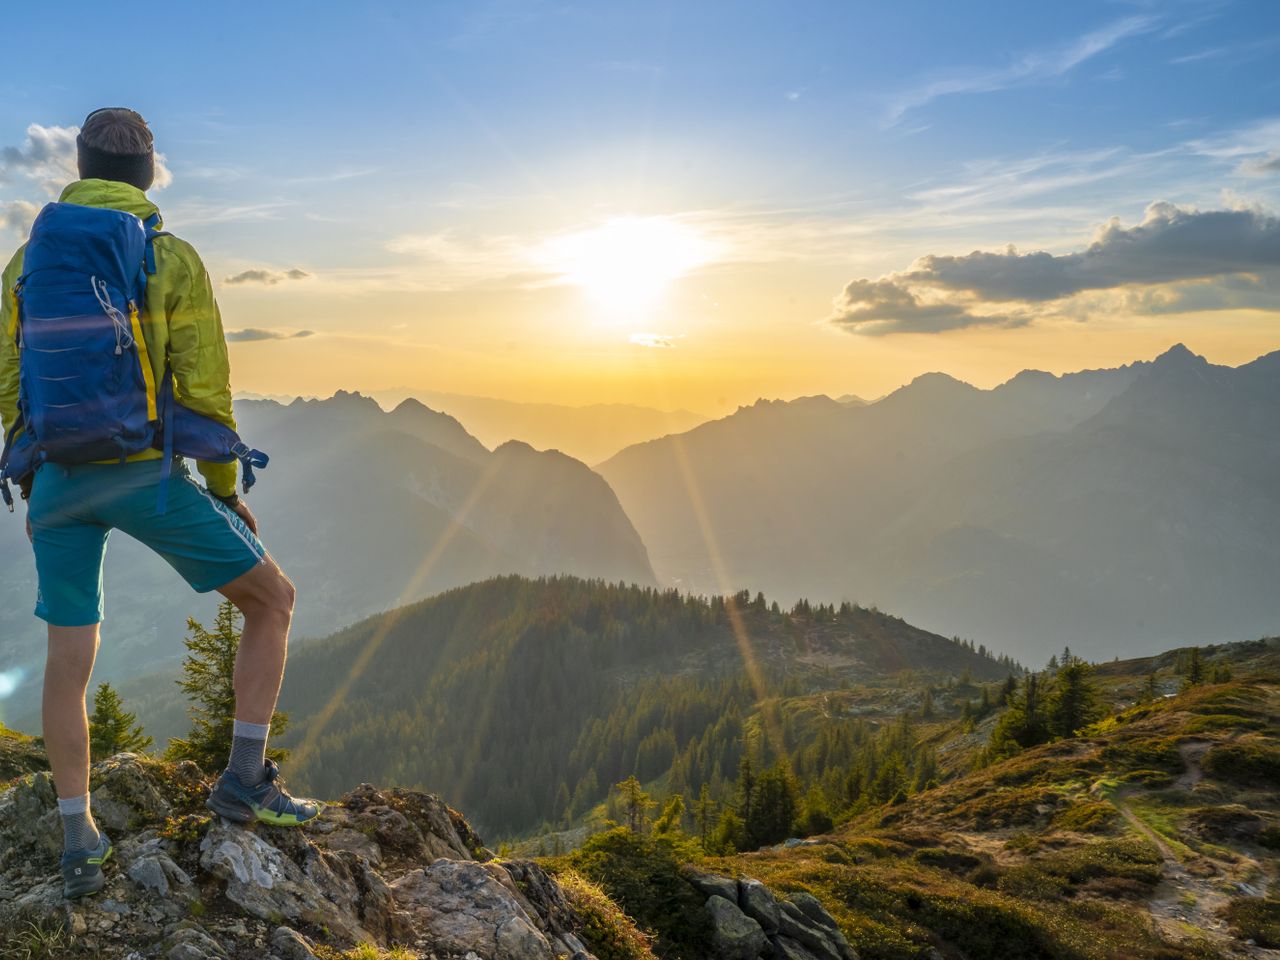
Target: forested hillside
524, 701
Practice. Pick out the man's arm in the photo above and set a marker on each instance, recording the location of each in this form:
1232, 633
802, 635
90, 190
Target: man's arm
198, 356
8, 345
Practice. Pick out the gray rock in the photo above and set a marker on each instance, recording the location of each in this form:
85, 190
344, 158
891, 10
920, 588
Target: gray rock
267, 884
192, 943
825, 942
461, 907
757, 901
734, 935
787, 949
710, 885
289, 944
812, 908
123, 792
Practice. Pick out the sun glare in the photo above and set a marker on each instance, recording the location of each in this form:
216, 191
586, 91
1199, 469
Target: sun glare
627, 263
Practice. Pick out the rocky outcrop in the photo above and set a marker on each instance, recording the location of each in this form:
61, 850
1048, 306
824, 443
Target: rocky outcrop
749, 920
393, 868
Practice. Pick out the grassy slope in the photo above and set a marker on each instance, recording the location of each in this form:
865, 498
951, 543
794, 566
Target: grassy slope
1154, 836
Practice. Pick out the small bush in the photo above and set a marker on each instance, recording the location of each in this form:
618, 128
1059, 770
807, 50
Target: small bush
607, 930
1245, 764
1094, 816
1256, 919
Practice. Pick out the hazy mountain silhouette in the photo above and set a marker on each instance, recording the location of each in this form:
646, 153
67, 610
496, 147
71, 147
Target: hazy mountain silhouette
365, 509
589, 433
1115, 510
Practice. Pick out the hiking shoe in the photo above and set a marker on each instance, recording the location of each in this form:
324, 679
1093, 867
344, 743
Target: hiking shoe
267, 801
82, 869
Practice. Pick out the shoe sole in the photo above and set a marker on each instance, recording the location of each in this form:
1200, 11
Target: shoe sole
232, 811
242, 813
94, 885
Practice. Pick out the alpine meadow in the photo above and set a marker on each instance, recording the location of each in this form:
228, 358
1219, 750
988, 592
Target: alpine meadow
503, 480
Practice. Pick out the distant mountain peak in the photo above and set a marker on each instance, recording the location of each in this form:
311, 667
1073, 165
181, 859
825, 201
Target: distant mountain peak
1179, 355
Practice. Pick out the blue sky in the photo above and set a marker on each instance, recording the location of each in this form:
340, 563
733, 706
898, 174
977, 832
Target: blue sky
413, 159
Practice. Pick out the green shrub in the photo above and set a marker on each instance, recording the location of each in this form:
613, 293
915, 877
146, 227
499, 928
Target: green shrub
1256, 919
1094, 816
606, 929
641, 874
1245, 764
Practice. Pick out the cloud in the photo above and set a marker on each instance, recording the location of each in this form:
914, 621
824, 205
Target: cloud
266, 277
1260, 166
1030, 68
252, 334
1175, 260
18, 215
662, 341
48, 158
879, 307
1170, 244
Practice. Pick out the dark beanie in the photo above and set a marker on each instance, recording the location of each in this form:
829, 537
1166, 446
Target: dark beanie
138, 169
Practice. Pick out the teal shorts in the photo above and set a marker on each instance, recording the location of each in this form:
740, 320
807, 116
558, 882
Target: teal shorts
73, 510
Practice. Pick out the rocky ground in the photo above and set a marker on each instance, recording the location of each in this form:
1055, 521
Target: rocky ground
392, 874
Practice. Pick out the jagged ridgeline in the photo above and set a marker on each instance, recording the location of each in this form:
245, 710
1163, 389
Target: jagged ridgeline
523, 701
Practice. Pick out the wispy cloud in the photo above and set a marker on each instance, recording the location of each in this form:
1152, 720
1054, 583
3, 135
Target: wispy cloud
662, 341
254, 334
266, 277
1034, 67
18, 215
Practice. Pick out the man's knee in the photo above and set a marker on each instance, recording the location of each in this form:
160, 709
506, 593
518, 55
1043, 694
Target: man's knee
264, 592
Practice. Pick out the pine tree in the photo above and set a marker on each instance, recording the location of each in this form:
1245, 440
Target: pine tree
729, 835
672, 818
1195, 669
111, 729
208, 681
704, 814
926, 706
635, 803
1074, 702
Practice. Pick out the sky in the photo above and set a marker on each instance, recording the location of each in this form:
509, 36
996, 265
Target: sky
686, 205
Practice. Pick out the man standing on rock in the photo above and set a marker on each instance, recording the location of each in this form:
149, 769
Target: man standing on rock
171, 346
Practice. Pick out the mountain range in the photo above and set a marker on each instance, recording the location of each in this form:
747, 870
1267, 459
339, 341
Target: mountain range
1113, 510
365, 510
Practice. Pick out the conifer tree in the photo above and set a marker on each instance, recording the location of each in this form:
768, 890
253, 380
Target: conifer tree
671, 819
1074, 701
1195, 669
635, 803
111, 729
208, 681
704, 815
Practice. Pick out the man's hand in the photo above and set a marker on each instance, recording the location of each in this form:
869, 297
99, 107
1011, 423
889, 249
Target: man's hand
245, 514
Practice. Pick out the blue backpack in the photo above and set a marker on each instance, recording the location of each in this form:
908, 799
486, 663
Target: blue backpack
86, 387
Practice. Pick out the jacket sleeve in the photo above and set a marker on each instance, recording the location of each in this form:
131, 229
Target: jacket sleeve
198, 358
8, 345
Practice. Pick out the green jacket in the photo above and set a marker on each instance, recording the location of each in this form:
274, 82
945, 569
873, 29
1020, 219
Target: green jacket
181, 325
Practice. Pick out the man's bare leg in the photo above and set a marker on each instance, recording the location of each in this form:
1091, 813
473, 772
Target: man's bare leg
265, 596
68, 666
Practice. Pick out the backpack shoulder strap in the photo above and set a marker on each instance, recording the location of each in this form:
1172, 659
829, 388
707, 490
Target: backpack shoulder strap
151, 226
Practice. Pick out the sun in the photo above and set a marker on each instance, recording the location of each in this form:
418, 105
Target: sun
627, 263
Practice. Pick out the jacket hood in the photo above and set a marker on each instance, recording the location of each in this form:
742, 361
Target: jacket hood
111, 194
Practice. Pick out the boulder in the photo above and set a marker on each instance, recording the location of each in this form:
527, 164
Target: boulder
710, 885
265, 883
827, 942
459, 907
757, 902
289, 944
734, 935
